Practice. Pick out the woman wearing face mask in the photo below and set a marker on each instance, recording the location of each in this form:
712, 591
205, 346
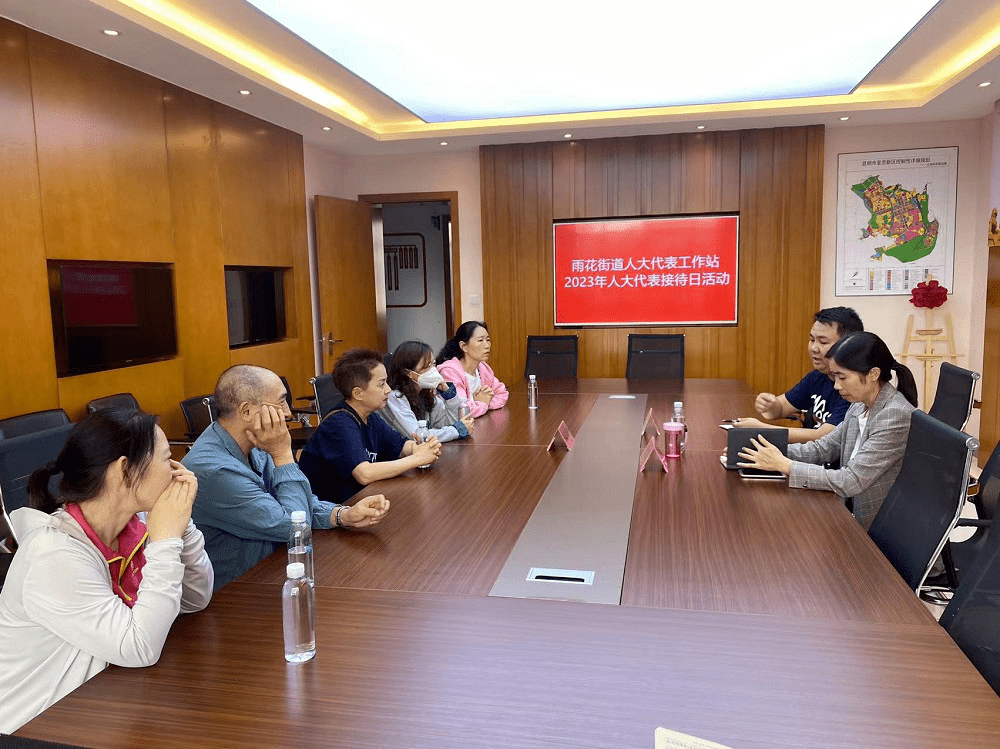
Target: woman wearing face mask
462, 361
419, 392
871, 440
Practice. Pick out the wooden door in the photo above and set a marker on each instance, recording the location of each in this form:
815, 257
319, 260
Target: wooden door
348, 295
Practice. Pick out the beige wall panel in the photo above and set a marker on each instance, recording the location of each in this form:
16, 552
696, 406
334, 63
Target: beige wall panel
27, 366
101, 156
253, 185
199, 282
158, 387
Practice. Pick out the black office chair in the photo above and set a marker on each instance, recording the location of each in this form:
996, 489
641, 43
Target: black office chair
954, 395
552, 356
199, 412
958, 556
39, 421
119, 400
387, 361
972, 616
7, 543
926, 500
655, 357
328, 397
20, 456
302, 415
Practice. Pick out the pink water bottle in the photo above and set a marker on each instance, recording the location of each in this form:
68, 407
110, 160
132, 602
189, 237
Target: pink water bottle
673, 435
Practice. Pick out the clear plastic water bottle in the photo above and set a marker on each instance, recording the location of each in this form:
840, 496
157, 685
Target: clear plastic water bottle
532, 392
297, 615
678, 418
423, 434
300, 544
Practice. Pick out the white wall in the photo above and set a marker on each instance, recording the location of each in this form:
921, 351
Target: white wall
425, 323
887, 315
449, 170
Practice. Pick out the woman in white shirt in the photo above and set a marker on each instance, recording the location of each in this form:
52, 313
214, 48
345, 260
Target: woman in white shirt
420, 393
103, 567
871, 440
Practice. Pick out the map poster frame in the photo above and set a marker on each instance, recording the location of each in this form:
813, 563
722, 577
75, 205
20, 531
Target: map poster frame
888, 203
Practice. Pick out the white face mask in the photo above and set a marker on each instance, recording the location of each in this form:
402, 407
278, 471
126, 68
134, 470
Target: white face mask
430, 379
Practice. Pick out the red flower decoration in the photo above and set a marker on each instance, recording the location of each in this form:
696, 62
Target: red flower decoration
930, 294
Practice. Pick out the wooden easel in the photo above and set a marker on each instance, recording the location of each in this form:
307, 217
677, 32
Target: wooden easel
929, 336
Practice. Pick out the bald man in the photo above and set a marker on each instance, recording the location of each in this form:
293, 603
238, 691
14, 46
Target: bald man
248, 482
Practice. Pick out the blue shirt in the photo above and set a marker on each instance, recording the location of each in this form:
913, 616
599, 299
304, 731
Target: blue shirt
245, 502
816, 394
342, 443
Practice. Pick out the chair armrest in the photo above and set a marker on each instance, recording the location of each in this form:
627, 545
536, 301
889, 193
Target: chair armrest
973, 523
306, 398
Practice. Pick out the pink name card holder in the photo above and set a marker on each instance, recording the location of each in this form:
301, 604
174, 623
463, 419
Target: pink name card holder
649, 451
650, 419
562, 438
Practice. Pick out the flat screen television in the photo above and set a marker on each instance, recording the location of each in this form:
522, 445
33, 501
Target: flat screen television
108, 315
646, 271
255, 305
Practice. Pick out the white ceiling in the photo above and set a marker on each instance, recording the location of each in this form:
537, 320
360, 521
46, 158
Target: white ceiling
932, 75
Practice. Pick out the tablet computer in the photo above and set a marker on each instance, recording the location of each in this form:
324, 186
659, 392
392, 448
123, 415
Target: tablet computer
739, 438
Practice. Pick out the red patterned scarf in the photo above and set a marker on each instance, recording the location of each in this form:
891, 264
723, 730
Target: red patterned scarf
125, 564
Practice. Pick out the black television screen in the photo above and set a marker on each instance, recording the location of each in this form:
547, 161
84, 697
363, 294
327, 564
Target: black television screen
110, 315
255, 304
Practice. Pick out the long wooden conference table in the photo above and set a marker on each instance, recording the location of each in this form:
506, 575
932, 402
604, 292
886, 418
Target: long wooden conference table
751, 615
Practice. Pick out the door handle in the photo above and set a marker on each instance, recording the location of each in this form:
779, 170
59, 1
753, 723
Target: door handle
329, 340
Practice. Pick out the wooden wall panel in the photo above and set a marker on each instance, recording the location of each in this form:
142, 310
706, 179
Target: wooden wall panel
199, 281
102, 158
27, 366
773, 178
989, 420
129, 168
253, 184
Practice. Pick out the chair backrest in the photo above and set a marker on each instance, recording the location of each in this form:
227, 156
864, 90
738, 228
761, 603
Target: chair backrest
39, 421
288, 391
387, 361
972, 615
20, 456
328, 397
926, 500
655, 357
118, 400
198, 412
989, 487
7, 539
954, 395
551, 356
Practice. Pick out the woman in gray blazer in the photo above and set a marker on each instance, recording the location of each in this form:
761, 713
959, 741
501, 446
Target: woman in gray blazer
869, 443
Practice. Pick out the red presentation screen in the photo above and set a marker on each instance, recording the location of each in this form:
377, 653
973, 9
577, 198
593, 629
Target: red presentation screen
664, 270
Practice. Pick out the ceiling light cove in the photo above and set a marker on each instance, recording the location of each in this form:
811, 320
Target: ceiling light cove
535, 59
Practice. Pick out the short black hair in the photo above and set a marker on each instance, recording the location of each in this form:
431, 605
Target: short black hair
845, 319
354, 369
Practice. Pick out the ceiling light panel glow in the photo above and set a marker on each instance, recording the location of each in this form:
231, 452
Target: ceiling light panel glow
527, 58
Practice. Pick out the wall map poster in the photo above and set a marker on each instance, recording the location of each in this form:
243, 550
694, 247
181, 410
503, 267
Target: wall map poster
895, 220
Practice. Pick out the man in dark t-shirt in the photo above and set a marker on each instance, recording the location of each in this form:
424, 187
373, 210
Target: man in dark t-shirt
353, 446
814, 394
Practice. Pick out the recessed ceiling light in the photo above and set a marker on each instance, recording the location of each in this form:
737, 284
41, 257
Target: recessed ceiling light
110, 32
326, 127
984, 84
701, 127
245, 92
845, 118
444, 143
568, 135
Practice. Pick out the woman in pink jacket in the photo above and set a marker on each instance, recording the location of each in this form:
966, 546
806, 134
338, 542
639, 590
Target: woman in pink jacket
462, 362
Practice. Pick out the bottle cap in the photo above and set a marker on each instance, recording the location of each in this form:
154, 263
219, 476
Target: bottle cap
295, 569
299, 516
531, 378
678, 404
